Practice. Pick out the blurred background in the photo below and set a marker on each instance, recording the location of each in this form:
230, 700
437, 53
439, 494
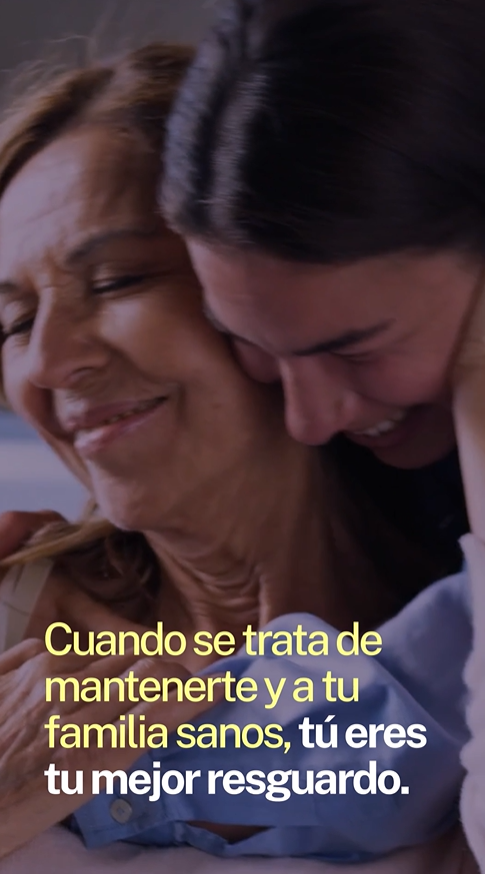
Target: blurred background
31, 477
28, 27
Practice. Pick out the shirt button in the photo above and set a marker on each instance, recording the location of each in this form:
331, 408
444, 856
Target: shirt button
121, 811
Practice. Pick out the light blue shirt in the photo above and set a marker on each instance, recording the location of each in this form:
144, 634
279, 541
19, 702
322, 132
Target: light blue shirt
417, 678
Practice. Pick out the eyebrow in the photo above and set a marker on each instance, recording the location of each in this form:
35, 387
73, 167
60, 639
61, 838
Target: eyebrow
346, 340
88, 246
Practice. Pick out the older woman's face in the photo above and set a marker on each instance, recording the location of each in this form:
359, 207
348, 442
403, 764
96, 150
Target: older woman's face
106, 351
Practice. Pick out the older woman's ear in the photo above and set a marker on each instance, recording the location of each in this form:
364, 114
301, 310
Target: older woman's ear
17, 527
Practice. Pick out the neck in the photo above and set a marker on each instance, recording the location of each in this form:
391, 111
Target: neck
254, 550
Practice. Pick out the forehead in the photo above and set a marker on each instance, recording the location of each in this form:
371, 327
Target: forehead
284, 307
85, 181
269, 300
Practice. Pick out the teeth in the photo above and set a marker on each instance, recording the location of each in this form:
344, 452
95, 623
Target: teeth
382, 427
139, 408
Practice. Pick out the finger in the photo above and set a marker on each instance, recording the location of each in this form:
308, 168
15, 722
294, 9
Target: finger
121, 703
33, 664
17, 656
38, 811
49, 516
471, 339
98, 679
110, 666
17, 527
94, 664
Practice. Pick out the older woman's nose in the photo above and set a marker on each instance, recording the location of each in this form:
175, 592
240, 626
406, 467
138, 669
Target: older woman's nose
319, 402
63, 347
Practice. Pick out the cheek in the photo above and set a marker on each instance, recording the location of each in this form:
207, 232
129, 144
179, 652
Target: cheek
256, 363
166, 337
403, 380
22, 397
35, 406
143, 337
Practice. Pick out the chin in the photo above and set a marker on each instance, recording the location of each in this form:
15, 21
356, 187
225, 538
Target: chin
127, 511
413, 458
123, 518
431, 439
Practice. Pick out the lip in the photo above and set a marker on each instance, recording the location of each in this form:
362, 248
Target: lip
97, 416
91, 432
393, 438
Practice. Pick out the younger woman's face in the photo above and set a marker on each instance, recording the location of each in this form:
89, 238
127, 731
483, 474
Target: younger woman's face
363, 349
106, 351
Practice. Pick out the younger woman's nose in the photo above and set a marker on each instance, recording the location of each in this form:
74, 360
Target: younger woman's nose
319, 402
63, 346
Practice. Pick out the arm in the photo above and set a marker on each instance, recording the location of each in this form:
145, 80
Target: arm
17, 527
473, 756
469, 413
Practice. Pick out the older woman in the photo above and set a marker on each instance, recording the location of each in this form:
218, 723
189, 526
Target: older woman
214, 511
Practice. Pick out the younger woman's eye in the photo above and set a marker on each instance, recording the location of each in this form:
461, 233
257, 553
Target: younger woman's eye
357, 357
118, 283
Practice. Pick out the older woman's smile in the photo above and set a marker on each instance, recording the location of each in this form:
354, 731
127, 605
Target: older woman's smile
98, 427
107, 352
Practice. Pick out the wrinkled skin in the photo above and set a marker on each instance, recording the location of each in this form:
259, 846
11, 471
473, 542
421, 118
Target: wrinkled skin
26, 809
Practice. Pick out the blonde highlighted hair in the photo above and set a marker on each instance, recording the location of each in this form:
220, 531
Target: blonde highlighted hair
131, 94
